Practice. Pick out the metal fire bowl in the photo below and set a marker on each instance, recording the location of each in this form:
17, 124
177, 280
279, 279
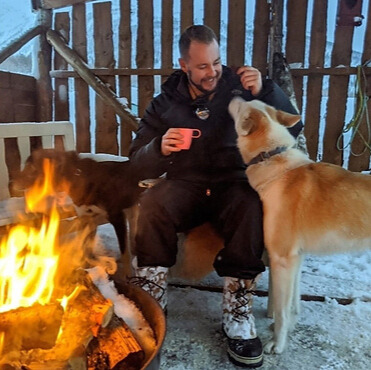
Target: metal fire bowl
154, 315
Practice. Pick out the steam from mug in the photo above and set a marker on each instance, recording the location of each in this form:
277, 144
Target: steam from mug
188, 135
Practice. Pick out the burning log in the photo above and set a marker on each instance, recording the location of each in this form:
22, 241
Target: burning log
114, 345
31, 327
83, 317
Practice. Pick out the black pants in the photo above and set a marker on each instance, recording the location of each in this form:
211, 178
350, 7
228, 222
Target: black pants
174, 206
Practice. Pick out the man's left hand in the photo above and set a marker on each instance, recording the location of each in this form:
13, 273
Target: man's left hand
251, 79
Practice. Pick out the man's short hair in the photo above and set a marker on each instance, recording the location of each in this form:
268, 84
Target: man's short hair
199, 33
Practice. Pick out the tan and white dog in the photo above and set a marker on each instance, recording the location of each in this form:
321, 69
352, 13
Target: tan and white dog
308, 207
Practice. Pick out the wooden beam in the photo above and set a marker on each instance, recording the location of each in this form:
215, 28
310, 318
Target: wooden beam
19, 43
86, 74
54, 4
314, 71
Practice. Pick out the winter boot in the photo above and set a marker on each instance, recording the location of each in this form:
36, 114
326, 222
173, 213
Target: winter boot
153, 279
244, 346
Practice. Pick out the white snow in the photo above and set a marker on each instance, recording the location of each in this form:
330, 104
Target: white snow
328, 335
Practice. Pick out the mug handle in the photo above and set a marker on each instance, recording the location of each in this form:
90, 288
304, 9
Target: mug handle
198, 133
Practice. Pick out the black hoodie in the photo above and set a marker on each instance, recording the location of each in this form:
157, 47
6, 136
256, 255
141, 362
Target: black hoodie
214, 156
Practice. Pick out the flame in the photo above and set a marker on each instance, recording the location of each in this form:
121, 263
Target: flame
30, 256
28, 264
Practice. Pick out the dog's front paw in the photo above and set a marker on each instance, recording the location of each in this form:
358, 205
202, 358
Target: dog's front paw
272, 347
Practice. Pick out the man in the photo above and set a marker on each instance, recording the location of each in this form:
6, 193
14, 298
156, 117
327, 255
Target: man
205, 183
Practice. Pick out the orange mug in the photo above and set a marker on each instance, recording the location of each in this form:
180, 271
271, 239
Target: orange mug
188, 135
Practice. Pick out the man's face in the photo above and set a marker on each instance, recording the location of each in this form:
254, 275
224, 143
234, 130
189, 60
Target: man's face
203, 66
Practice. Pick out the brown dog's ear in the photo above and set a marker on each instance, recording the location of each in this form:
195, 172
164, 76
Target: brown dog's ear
287, 119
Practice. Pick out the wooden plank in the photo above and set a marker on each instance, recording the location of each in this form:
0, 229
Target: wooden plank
236, 33
44, 86
5, 80
212, 15
145, 57
314, 87
24, 150
106, 124
24, 112
53, 4
338, 88
341, 71
125, 62
295, 42
22, 82
7, 112
186, 14
4, 190
362, 162
61, 97
261, 36
61, 93
167, 35
82, 102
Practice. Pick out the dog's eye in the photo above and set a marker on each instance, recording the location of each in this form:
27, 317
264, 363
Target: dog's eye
78, 172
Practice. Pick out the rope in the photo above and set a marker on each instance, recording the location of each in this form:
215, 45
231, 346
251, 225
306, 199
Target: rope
361, 112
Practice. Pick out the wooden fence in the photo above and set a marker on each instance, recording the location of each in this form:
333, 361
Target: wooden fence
131, 47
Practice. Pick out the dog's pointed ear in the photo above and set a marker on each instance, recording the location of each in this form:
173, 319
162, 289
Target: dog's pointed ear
287, 119
248, 126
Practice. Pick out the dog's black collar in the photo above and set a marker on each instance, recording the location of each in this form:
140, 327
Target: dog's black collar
265, 155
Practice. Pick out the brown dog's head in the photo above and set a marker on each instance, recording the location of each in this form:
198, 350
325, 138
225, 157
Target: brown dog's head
260, 127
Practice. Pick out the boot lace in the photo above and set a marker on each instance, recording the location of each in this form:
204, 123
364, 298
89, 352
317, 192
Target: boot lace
148, 285
242, 309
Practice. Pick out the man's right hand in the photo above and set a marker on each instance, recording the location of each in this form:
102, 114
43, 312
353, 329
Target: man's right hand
170, 139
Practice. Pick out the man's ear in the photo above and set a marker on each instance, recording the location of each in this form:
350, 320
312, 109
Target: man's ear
287, 119
183, 65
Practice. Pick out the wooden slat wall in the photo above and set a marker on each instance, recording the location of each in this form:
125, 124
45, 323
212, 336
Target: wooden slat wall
314, 87
145, 57
108, 136
186, 14
124, 61
167, 35
362, 161
61, 94
236, 32
82, 102
295, 42
106, 122
261, 36
18, 103
212, 15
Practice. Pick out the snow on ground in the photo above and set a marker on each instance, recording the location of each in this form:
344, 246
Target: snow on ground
328, 335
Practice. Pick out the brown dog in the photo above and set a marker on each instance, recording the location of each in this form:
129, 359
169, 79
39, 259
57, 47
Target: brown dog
308, 207
110, 185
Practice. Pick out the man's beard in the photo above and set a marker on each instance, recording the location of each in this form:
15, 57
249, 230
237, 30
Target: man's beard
199, 87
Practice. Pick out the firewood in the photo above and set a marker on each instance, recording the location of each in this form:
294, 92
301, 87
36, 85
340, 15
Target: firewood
31, 327
88, 311
114, 345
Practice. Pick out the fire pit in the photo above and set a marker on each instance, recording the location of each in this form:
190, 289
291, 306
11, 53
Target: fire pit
54, 315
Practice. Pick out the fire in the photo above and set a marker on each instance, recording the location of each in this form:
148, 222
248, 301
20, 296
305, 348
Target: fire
33, 262
28, 264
